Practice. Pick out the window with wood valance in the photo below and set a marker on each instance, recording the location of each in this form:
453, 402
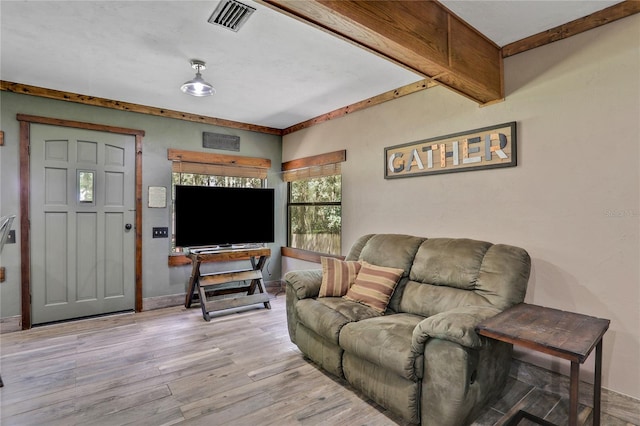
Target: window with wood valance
311, 172
218, 164
218, 170
314, 203
316, 166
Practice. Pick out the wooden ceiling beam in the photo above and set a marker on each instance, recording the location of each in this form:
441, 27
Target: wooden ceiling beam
422, 36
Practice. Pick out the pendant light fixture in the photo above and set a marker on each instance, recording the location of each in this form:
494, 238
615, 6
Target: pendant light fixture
197, 86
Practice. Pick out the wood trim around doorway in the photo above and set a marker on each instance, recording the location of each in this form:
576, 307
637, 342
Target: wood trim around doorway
25, 213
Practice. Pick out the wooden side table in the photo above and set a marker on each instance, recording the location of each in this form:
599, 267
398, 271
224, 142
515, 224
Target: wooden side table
567, 335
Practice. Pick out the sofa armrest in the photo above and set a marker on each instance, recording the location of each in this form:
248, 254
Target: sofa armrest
456, 325
305, 283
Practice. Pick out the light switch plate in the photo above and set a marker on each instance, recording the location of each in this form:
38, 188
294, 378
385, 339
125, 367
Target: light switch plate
161, 232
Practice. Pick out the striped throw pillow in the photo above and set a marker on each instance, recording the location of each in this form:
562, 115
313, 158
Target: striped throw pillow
337, 276
374, 286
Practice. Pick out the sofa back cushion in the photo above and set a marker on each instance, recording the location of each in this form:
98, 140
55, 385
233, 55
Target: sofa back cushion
427, 299
448, 273
504, 275
390, 250
356, 248
452, 262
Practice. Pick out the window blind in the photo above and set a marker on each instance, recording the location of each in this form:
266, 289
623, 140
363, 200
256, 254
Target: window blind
218, 164
311, 172
311, 167
218, 170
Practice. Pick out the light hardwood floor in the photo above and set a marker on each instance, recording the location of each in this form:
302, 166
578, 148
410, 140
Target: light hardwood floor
169, 366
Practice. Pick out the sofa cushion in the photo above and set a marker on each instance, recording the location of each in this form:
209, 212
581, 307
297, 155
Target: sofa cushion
337, 276
394, 393
427, 300
392, 250
374, 286
453, 262
327, 355
327, 315
356, 248
448, 273
386, 342
504, 275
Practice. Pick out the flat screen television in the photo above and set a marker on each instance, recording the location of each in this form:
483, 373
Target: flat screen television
208, 216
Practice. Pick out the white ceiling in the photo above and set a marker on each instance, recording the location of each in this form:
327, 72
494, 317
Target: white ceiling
274, 72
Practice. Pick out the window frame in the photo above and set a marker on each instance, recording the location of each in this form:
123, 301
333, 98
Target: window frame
310, 204
309, 167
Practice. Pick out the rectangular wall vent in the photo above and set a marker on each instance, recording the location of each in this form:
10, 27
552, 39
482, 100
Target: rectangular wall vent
220, 141
231, 14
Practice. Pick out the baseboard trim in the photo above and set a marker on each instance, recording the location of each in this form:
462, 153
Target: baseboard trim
159, 302
10, 324
275, 286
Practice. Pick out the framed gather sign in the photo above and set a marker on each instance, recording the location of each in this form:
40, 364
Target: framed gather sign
486, 148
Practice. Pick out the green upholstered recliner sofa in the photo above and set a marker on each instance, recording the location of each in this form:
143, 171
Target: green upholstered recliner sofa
421, 359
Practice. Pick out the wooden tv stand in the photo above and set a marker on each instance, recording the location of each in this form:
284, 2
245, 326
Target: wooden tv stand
216, 291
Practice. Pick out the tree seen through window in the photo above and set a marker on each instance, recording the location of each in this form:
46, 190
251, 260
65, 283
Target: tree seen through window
315, 214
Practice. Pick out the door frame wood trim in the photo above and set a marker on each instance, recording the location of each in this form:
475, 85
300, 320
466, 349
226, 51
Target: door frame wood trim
25, 237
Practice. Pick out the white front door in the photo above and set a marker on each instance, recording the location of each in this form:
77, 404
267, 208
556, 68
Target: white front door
82, 199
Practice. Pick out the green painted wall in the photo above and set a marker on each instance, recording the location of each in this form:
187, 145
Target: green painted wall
160, 134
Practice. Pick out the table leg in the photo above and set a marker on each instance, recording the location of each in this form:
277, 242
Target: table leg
252, 285
259, 283
203, 302
195, 274
573, 393
597, 385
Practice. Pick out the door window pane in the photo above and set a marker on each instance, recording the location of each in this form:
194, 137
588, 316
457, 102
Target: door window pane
85, 186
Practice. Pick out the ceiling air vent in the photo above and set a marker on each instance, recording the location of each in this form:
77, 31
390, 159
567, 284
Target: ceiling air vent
231, 14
